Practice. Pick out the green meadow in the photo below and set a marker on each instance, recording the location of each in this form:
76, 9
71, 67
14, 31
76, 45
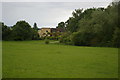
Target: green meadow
35, 59
0, 59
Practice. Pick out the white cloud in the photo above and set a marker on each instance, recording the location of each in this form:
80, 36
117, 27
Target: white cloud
56, 0
43, 13
0, 11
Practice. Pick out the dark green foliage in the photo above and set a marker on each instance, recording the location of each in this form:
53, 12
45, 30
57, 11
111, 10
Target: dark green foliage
22, 31
66, 38
35, 35
19, 32
81, 38
61, 25
116, 37
6, 32
72, 22
0, 30
95, 27
53, 37
35, 26
46, 41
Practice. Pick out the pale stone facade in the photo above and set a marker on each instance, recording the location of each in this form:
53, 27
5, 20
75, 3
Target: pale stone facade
44, 32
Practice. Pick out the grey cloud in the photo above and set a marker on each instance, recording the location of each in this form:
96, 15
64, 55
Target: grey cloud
47, 14
56, 0
0, 11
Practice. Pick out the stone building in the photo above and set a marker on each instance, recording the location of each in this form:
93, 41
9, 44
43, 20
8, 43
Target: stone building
49, 31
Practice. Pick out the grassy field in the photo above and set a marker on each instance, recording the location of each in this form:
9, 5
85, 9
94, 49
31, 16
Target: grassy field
0, 59
34, 59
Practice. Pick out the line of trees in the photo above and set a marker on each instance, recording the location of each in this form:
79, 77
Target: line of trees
20, 31
91, 27
94, 27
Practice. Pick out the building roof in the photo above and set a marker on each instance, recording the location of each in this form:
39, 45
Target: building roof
54, 29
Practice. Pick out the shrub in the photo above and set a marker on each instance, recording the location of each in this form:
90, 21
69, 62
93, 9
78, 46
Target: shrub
46, 41
81, 38
66, 38
76, 39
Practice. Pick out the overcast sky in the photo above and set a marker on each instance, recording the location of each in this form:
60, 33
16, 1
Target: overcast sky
45, 14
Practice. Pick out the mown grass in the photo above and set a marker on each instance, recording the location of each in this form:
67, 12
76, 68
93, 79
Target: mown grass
0, 59
35, 59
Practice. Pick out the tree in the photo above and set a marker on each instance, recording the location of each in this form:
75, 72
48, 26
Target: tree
77, 13
116, 37
61, 25
72, 22
81, 38
22, 31
35, 35
0, 30
95, 26
6, 32
35, 26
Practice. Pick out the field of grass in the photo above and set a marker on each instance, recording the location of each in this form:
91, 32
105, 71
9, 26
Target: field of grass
0, 59
34, 59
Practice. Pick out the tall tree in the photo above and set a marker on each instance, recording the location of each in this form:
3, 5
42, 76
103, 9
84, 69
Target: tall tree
35, 35
96, 26
35, 26
61, 25
72, 22
6, 32
22, 31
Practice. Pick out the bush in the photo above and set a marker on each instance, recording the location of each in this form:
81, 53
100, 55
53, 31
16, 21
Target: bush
81, 38
46, 41
66, 38
77, 39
